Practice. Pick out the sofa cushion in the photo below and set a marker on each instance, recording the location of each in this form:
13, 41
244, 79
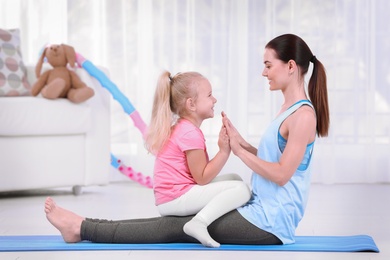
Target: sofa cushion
39, 116
13, 77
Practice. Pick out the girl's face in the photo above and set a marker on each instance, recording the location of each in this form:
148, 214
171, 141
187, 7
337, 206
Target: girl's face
275, 70
204, 103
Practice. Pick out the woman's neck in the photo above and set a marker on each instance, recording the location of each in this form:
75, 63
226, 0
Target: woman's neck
292, 95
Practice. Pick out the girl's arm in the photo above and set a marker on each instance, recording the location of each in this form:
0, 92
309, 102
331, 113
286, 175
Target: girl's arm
203, 171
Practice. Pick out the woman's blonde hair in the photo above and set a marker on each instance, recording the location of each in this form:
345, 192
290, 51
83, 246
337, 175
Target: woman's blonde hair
169, 103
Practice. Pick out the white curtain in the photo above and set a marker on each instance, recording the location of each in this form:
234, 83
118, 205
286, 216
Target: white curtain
224, 39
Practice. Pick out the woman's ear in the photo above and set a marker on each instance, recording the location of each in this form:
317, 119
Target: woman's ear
291, 66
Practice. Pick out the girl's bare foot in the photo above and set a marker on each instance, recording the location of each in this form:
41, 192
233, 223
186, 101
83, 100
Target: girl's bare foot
67, 222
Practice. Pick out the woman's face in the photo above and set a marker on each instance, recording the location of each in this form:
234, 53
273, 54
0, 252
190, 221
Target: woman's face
275, 70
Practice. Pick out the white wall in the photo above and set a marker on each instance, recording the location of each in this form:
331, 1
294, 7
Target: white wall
224, 39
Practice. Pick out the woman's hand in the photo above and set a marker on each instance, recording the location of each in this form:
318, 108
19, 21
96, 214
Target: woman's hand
237, 142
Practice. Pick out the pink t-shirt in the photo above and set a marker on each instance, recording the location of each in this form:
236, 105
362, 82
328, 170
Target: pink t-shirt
172, 177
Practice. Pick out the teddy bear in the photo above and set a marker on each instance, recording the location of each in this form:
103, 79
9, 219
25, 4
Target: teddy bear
60, 81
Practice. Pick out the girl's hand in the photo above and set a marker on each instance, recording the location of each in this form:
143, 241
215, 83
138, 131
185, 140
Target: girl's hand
223, 141
236, 140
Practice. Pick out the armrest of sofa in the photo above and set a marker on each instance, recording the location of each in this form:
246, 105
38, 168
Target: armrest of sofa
97, 138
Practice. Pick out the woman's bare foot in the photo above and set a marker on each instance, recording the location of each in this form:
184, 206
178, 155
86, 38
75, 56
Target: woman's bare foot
67, 222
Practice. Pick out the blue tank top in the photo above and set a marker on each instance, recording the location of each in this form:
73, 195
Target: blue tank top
273, 208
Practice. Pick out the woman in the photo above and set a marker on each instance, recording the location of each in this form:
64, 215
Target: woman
281, 166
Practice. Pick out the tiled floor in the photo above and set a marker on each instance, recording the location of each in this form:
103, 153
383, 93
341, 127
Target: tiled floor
332, 210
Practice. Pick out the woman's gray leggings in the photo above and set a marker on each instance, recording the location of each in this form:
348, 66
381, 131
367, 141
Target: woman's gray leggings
231, 228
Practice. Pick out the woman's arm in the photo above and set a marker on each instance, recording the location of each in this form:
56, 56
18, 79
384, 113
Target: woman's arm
300, 128
202, 171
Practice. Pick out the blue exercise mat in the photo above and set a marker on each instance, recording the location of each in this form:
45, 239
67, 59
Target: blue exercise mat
359, 243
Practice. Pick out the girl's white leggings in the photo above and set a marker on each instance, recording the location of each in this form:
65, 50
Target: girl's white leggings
211, 201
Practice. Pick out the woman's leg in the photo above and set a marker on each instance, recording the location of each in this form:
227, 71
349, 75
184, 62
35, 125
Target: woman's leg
67, 222
231, 228
75, 228
139, 231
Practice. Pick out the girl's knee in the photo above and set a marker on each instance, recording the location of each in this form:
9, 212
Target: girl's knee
227, 177
234, 176
245, 191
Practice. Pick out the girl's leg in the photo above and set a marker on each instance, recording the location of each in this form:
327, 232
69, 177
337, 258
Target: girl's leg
225, 201
199, 196
208, 202
227, 177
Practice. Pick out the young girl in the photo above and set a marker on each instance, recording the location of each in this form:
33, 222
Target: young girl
185, 180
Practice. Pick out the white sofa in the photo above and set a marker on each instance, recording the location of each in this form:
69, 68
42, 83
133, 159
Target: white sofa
55, 143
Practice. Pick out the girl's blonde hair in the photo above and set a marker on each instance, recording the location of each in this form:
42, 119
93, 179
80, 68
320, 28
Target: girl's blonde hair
169, 104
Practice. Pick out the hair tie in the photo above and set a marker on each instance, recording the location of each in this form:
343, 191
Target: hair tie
170, 78
313, 59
